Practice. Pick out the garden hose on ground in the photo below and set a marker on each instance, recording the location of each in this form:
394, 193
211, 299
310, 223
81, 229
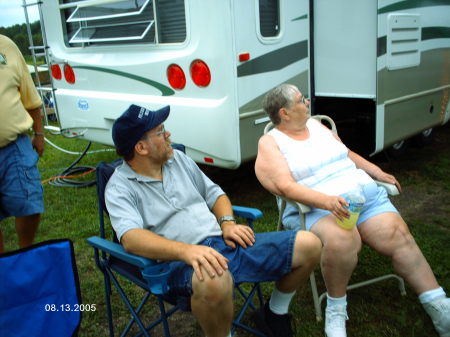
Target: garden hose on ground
63, 179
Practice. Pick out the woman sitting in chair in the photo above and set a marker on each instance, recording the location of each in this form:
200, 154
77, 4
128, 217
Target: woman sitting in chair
302, 160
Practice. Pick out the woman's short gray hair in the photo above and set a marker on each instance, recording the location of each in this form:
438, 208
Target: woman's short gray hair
279, 97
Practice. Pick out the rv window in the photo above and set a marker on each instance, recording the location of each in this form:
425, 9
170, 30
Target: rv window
269, 14
87, 23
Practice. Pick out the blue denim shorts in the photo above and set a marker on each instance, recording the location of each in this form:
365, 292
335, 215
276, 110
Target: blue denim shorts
20, 182
268, 259
377, 202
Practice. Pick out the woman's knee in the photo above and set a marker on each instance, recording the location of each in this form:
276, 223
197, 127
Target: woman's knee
339, 241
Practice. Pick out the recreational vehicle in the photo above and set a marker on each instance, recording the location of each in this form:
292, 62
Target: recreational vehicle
380, 69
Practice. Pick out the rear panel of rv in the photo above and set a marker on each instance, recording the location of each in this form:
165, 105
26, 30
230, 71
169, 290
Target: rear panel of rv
120, 53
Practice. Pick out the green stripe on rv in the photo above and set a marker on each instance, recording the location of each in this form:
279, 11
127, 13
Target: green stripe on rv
165, 90
408, 4
275, 60
428, 33
303, 17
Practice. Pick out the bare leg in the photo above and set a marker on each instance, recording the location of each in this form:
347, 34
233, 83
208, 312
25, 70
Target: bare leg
212, 304
339, 254
389, 235
26, 227
306, 255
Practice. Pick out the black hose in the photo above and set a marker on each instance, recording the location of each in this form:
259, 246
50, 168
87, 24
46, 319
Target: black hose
61, 179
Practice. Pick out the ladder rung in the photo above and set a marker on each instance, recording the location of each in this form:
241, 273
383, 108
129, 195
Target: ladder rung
31, 4
39, 54
36, 47
44, 88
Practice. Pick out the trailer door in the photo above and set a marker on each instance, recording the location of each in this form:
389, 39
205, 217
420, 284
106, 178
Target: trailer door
345, 48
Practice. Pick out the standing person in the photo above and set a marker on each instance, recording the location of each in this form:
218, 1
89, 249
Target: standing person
304, 161
163, 207
21, 193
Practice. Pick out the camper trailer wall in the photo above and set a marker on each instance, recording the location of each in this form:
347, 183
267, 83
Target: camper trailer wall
278, 54
111, 76
350, 63
119, 55
413, 67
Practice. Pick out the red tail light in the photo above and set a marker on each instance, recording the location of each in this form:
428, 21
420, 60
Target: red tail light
176, 77
56, 71
200, 73
69, 75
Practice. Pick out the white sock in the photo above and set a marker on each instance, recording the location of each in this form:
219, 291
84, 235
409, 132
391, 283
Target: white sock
333, 301
279, 302
431, 295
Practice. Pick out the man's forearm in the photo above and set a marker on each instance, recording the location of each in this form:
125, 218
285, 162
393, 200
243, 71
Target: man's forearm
153, 246
37, 120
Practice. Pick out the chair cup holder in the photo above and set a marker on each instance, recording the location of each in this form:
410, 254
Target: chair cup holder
156, 277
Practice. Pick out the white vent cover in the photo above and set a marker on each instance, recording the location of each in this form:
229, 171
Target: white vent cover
403, 41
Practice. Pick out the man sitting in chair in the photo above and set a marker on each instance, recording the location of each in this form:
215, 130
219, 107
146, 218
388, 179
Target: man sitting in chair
163, 207
302, 160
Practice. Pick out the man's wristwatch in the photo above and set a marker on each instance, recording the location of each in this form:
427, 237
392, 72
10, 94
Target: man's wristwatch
226, 218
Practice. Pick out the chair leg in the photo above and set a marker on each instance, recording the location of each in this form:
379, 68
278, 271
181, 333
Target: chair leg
138, 310
128, 304
317, 306
108, 302
256, 289
318, 300
401, 282
162, 310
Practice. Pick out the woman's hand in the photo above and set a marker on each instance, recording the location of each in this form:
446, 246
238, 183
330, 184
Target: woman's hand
337, 206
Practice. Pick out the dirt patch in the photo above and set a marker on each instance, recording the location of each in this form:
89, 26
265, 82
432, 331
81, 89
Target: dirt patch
424, 175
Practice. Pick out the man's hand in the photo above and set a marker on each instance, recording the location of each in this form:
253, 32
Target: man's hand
337, 206
39, 144
209, 259
234, 233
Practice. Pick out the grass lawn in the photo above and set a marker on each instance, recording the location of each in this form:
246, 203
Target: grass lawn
377, 310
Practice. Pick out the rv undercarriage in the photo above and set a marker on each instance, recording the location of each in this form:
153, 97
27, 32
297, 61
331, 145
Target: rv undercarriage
354, 118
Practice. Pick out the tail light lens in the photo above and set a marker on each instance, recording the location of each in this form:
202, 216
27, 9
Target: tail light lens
200, 73
176, 77
69, 75
56, 71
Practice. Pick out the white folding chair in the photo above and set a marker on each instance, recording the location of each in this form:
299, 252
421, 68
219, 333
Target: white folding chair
303, 209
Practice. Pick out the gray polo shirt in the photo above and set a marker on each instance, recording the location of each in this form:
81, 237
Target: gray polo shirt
177, 208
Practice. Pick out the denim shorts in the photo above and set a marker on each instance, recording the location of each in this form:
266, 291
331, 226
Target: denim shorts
20, 182
377, 202
269, 259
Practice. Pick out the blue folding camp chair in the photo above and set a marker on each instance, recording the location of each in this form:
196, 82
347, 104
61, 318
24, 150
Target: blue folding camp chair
40, 291
112, 259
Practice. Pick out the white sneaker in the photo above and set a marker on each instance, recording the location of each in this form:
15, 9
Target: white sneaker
439, 311
335, 318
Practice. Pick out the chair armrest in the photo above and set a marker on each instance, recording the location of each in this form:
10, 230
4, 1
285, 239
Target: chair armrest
247, 212
391, 189
156, 274
117, 250
302, 207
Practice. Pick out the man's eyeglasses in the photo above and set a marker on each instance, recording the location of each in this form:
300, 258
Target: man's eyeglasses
157, 133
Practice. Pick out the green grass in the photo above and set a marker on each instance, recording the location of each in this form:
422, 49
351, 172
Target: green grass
377, 310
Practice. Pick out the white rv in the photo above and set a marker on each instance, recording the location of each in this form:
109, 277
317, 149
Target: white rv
380, 69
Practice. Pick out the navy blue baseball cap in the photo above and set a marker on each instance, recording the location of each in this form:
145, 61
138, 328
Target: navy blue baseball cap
129, 128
